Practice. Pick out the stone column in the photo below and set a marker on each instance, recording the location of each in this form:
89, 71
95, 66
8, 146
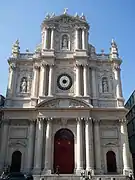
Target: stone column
30, 146
76, 39
78, 87
42, 80
38, 146
125, 146
3, 150
45, 38
83, 39
11, 80
52, 38
85, 79
118, 81
48, 147
79, 163
89, 144
35, 81
97, 146
50, 86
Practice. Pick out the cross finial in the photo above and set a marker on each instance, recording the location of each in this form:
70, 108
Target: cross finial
65, 10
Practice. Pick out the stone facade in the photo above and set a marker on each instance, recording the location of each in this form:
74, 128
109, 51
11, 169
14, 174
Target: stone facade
65, 85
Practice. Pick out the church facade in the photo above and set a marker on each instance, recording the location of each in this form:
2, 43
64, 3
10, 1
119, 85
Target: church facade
64, 110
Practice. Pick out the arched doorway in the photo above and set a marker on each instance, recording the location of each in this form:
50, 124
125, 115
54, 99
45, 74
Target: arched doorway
16, 161
64, 151
111, 162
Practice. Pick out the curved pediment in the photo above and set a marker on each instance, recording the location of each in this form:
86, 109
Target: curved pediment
64, 103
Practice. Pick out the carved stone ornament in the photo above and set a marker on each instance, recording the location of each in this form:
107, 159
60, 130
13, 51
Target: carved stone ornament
64, 103
17, 143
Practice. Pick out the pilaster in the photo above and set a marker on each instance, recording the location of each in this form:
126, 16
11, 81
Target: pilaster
3, 150
48, 147
83, 39
45, 38
89, 145
94, 86
78, 87
30, 146
35, 81
97, 146
51, 82
38, 146
85, 80
125, 146
76, 38
42, 80
79, 160
52, 38
118, 81
11, 80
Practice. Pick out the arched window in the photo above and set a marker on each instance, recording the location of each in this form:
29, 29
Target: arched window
105, 87
23, 85
16, 161
65, 42
111, 162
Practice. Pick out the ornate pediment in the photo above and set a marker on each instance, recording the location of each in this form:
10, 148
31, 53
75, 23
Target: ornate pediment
65, 20
64, 103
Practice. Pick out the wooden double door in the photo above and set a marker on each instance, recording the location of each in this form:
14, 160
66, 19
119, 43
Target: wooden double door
64, 152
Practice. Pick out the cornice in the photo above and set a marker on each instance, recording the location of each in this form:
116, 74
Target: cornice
91, 109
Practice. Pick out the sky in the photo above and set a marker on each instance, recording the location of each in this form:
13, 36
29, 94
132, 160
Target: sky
21, 19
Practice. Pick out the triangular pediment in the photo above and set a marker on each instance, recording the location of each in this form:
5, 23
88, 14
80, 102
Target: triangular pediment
65, 19
64, 103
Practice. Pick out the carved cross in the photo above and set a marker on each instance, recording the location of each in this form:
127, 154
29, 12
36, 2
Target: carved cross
65, 10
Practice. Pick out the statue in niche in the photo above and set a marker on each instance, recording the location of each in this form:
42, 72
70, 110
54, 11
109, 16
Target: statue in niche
65, 42
23, 85
105, 85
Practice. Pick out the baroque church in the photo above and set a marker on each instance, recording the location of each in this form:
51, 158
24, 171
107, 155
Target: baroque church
64, 109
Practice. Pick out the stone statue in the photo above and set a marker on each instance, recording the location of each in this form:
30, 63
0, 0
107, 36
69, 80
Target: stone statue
104, 85
65, 42
23, 86
65, 10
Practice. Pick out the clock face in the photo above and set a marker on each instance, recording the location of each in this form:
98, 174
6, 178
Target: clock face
64, 82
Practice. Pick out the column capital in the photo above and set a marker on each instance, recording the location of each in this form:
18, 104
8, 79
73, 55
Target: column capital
51, 65
32, 121
88, 120
36, 66
116, 67
85, 65
48, 119
12, 66
40, 119
79, 119
96, 121
123, 121
43, 64
78, 65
